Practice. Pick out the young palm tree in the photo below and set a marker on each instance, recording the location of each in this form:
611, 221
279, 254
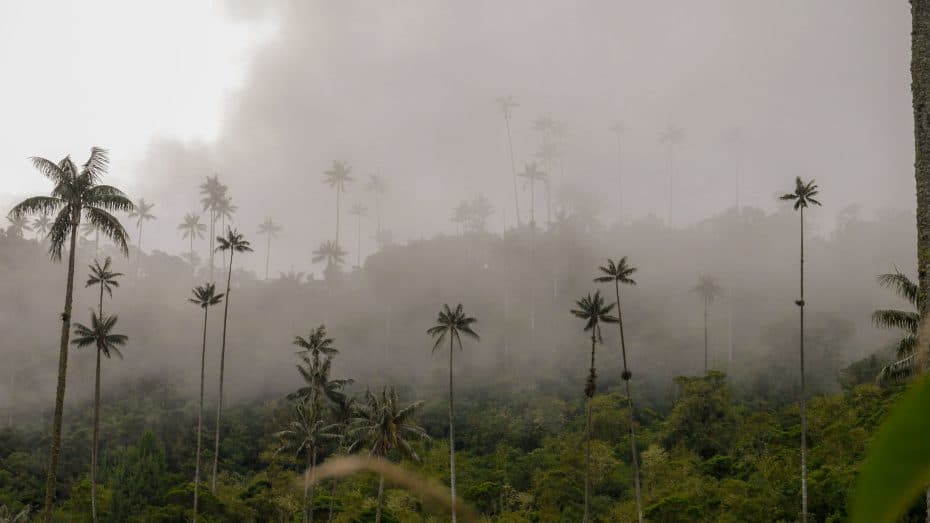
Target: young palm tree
593, 311
316, 375
708, 289
359, 211
306, 433
908, 321
193, 229
507, 105
141, 214
671, 137
41, 225
337, 177
452, 324
271, 229
383, 425
378, 186
213, 195
618, 128
205, 296
99, 334
533, 175
803, 197
105, 277
77, 195
621, 272
334, 256
233, 242
18, 226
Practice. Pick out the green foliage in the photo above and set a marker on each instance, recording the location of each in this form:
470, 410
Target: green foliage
139, 479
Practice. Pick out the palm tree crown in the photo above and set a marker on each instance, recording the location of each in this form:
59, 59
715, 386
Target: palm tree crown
594, 311
141, 212
329, 251
192, 227
672, 135
338, 176
908, 321
506, 105
383, 425
452, 323
103, 275
316, 343
77, 195
619, 271
42, 224
269, 227
707, 288
100, 335
803, 195
206, 296
533, 174
233, 241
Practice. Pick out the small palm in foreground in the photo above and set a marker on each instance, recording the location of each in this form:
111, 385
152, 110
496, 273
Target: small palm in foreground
100, 335
452, 324
383, 425
306, 434
908, 321
233, 242
205, 296
708, 289
594, 311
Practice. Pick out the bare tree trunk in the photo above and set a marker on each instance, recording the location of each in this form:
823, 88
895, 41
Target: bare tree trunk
54, 453
803, 390
219, 399
203, 364
629, 396
381, 498
451, 429
94, 448
212, 240
589, 393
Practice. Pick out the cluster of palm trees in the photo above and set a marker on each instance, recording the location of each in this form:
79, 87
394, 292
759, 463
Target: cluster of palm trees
472, 215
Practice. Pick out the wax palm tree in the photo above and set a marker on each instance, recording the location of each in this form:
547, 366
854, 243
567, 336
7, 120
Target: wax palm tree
908, 321
618, 128
803, 197
532, 175
460, 216
316, 344
224, 211
452, 324
77, 195
271, 229
212, 195
332, 254
337, 177
481, 209
377, 186
708, 289
315, 371
359, 211
106, 279
620, 272
305, 434
141, 214
383, 426
594, 311
193, 229
233, 242
100, 335
41, 225
18, 226
507, 105
205, 296
671, 137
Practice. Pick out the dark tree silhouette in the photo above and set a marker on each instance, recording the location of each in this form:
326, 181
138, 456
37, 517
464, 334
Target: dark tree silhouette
337, 177
77, 195
671, 137
708, 289
193, 229
271, 230
507, 105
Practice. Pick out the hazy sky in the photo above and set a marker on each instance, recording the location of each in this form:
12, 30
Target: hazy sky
268, 97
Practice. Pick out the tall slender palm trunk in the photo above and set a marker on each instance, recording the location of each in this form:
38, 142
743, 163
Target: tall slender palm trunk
219, 399
803, 390
705, 337
193, 266
95, 444
380, 495
629, 396
337, 215
212, 239
267, 255
587, 430
451, 428
309, 485
513, 169
203, 365
920, 91
54, 453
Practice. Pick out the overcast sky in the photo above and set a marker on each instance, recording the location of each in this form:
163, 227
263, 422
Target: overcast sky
267, 97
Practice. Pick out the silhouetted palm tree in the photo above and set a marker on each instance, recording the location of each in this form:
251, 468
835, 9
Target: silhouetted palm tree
378, 186
803, 197
205, 296
359, 211
213, 195
315, 371
671, 137
18, 226
271, 229
383, 425
533, 175
141, 214
507, 105
621, 272
618, 128
105, 277
337, 177
708, 289
225, 210
77, 194
908, 321
100, 335
305, 434
593, 311
193, 229
452, 324
332, 254
460, 216
480, 210
233, 242
41, 225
